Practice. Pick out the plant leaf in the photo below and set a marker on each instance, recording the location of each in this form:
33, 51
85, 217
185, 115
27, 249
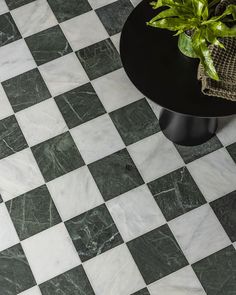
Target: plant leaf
219, 29
173, 24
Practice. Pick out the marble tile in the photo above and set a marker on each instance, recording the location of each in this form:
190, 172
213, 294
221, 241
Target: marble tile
57, 156
3, 7
72, 282
155, 107
19, 173
1, 199
157, 254
203, 236
214, 174
42, 47
15, 273
38, 14
217, 272
115, 174
9, 30
12, 4
93, 232
8, 235
99, 59
65, 10
6, 109
135, 2
232, 151
98, 3
97, 138
135, 213
155, 156
15, 60
191, 153
75, 193
33, 212
79, 105
114, 15
115, 90
225, 210
50, 253
112, 272
135, 121
116, 41
144, 291
181, 282
41, 122
176, 193
26, 89
63, 74
226, 130
84, 30
12, 139
32, 291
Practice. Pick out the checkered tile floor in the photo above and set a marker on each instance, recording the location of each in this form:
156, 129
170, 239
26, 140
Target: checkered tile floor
94, 199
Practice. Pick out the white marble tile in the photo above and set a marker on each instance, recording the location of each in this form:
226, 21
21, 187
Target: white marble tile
115, 90
181, 282
98, 3
3, 7
135, 2
63, 74
8, 235
215, 174
234, 244
116, 41
97, 138
75, 193
155, 107
155, 156
50, 253
32, 291
5, 109
84, 30
41, 122
226, 130
135, 213
114, 272
15, 59
19, 173
199, 233
34, 17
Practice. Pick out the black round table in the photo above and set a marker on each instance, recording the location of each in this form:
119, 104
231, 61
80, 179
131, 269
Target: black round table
155, 65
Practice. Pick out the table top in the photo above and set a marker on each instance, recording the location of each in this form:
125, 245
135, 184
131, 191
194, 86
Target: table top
155, 65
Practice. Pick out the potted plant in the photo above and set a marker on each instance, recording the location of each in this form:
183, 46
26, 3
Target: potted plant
197, 26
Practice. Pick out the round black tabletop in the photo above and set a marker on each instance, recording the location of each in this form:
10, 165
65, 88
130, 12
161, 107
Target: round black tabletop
155, 65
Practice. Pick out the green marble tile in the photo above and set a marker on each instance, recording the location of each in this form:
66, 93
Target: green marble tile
135, 121
65, 10
9, 30
12, 4
93, 232
157, 254
99, 59
26, 90
12, 139
72, 282
80, 105
33, 212
142, 292
217, 272
225, 210
15, 273
57, 156
114, 15
48, 45
115, 174
176, 193
191, 153
232, 151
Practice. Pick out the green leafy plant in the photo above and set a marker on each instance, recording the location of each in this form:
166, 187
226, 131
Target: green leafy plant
197, 17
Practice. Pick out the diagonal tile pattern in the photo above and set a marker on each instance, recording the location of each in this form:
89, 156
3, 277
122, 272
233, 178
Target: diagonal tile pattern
94, 200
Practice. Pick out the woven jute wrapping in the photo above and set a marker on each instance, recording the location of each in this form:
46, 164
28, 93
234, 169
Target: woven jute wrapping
225, 64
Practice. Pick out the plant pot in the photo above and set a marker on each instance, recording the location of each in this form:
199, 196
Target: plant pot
185, 45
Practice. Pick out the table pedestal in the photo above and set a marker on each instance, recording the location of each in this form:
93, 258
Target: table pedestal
186, 130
